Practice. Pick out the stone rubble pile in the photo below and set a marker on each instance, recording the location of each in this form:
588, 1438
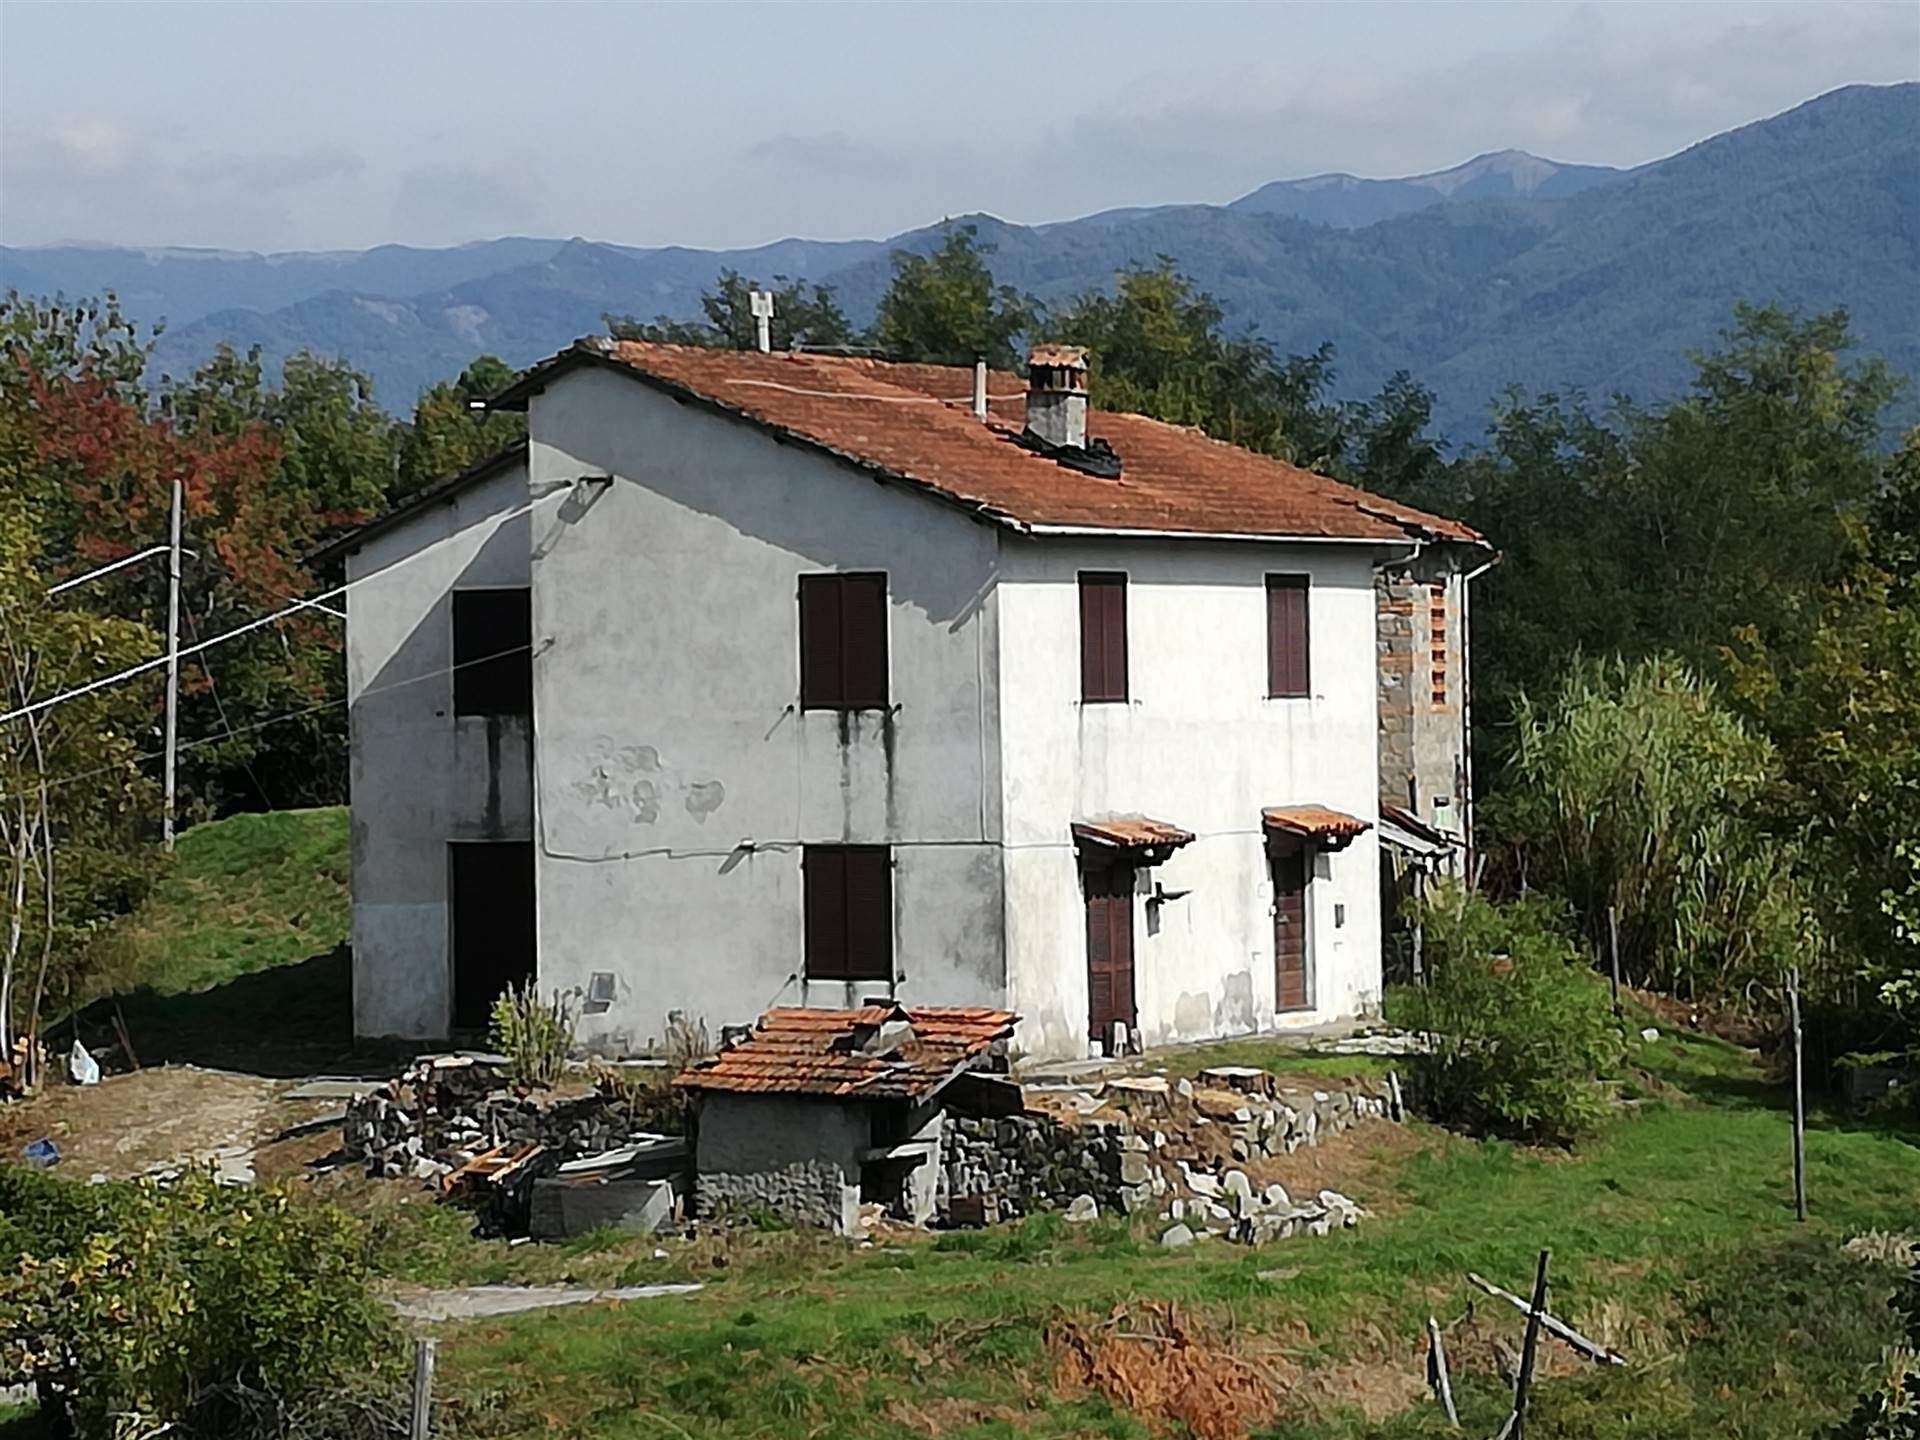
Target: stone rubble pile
1147, 1144
443, 1110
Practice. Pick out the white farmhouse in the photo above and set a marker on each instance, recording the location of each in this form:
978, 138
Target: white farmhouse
758, 679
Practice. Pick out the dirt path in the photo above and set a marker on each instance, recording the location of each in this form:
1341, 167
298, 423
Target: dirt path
128, 1124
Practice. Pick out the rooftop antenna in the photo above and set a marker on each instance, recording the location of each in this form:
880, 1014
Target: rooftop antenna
760, 302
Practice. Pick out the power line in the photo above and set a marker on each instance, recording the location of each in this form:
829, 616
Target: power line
311, 603
236, 731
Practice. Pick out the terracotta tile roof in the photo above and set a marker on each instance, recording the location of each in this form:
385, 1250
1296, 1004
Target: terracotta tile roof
1068, 355
913, 424
844, 1053
1316, 822
1132, 832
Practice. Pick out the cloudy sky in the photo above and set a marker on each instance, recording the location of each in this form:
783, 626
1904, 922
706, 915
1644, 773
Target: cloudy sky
308, 126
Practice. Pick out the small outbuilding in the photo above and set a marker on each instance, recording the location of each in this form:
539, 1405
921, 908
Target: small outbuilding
816, 1111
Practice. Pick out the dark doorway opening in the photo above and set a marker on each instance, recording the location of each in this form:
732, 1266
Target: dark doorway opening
1292, 973
493, 935
1110, 999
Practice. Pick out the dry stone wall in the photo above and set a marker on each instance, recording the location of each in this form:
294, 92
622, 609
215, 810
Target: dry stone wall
1150, 1145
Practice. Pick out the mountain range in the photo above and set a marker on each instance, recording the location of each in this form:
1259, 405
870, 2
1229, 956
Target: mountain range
1508, 270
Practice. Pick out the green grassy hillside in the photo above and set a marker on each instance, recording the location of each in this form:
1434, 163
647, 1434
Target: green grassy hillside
237, 958
245, 894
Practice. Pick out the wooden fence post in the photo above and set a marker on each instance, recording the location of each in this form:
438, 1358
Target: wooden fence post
1523, 1383
1437, 1375
1613, 952
1799, 1099
420, 1427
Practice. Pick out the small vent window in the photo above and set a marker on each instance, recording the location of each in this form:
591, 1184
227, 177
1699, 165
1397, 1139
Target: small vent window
1437, 641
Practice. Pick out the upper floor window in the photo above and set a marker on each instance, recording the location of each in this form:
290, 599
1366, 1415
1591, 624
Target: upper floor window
493, 652
843, 642
1288, 674
1103, 637
847, 896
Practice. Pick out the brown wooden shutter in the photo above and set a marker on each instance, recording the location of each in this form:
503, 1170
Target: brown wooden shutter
1288, 673
863, 620
1103, 637
869, 871
843, 642
823, 870
822, 671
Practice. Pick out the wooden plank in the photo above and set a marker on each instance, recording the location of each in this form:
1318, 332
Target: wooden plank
1554, 1326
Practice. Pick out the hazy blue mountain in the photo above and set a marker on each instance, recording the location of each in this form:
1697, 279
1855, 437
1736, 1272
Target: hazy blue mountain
1349, 201
1505, 271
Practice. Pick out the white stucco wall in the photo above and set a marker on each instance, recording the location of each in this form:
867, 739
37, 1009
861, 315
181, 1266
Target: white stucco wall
1201, 746
419, 776
676, 775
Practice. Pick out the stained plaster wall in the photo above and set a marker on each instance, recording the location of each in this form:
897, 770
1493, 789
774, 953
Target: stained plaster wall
677, 776
1198, 745
420, 776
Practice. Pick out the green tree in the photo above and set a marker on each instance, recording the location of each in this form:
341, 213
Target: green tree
448, 435
1839, 693
945, 309
76, 832
803, 314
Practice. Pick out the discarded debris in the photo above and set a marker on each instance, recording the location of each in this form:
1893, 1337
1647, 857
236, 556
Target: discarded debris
81, 1065
41, 1154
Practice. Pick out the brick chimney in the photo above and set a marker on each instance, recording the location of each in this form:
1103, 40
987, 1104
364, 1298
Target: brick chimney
1057, 396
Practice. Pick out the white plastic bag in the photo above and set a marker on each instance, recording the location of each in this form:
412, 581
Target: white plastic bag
82, 1066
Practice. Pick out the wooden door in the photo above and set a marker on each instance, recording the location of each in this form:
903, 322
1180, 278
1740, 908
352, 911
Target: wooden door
1291, 987
1109, 892
493, 926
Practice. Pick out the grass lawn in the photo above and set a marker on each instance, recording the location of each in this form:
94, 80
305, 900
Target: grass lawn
1672, 1235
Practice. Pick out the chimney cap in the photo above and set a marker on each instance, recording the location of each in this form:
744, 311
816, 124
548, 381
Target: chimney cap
1063, 357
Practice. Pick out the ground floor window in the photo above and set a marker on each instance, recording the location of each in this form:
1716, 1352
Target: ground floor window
848, 900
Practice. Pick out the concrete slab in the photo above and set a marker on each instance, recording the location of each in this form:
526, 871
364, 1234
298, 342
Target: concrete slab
480, 1301
333, 1087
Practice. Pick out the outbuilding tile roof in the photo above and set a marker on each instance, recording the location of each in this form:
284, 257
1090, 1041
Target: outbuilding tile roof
880, 1052
914, 424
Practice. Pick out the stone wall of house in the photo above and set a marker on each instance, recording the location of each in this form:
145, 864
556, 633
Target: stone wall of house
1420, 649
807, 1192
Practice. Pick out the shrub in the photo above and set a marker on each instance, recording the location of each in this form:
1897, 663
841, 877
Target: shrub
1521, 1031
217, 1312
535, 1035
1636, 788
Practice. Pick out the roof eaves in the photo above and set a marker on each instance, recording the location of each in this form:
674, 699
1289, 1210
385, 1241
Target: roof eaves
425, 498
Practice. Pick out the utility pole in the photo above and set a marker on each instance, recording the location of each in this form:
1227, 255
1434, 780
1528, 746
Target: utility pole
173, 664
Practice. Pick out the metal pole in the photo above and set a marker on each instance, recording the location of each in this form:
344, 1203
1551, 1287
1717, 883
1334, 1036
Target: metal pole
173, 665
1523, 1383
1799, 1100
420, 1424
